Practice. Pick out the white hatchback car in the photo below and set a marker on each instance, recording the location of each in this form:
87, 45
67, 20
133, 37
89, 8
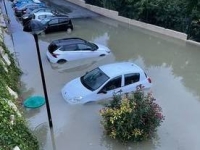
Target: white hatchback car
102, 82
42, 16
68, 49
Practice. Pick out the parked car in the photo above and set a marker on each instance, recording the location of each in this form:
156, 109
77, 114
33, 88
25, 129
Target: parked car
18, 3
19, 11
41, 9
40, 15
21, 2
104, 81
29, 14
58, 23
68, 49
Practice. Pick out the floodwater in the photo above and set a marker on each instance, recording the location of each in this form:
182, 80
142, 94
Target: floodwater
172, 64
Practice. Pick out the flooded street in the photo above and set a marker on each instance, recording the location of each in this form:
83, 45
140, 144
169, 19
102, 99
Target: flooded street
172, 64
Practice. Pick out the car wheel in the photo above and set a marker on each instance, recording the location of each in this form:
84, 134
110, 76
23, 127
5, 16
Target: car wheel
43, 33
102, 55
69, 30
61, 61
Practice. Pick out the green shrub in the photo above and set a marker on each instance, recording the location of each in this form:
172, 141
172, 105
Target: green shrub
12, 77
14, 131
13, 127
133, 118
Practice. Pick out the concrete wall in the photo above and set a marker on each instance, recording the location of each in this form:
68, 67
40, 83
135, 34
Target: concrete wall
114, 15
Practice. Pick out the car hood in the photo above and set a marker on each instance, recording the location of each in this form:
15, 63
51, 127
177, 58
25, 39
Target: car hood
74, 92
102, 48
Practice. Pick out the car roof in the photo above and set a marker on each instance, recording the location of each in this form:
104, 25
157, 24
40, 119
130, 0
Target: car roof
59, 16
41, 8
119, 68
42, 13
66, 41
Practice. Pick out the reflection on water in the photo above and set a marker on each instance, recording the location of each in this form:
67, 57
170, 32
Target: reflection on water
83, 64
41, 132
111, 144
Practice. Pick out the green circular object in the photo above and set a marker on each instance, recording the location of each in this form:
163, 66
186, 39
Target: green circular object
34, 102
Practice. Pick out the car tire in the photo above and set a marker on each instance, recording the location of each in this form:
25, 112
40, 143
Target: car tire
61, 61
69, 30
43, 33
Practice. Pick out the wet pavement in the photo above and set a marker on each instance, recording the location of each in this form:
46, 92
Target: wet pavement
172, 64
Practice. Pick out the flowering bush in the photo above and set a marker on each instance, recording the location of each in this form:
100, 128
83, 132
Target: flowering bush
132, 118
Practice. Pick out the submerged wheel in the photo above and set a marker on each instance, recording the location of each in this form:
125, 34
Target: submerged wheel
43, 33
69, 30
61, 61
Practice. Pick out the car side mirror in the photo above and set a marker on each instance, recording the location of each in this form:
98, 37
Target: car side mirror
102, 91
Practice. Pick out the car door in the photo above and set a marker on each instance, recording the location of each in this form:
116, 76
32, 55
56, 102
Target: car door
113, 86
86, 51
131, 81
53, 25
62, 24
70, 52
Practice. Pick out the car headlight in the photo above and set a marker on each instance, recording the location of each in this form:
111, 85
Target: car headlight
108, 51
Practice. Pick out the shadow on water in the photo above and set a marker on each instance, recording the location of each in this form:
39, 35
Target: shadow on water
41, 132
83, 64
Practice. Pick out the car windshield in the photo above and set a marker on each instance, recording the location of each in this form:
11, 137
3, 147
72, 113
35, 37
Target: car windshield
94, 79
94, 46
45, 20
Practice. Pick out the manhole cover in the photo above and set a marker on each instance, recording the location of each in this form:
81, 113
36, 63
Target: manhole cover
34, 102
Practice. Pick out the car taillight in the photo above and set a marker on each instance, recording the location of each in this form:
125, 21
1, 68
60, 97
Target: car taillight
149, 80
55, 55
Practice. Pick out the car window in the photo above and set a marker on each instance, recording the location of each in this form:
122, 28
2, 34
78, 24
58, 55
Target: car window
71, 47
41, 17
53, 21
63, 20
113, 84
84, 47
93, 46
131, 78
33, 7
94, 79
52, 47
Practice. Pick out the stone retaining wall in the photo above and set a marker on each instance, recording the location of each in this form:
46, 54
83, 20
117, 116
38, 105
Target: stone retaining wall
114, 15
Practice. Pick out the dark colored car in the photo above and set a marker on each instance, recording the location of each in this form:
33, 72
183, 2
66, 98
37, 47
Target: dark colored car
29, 15
19, 11
58, 23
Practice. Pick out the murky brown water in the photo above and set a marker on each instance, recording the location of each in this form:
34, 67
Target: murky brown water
172, 64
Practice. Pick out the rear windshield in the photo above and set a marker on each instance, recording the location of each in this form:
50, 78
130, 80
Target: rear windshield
52, 47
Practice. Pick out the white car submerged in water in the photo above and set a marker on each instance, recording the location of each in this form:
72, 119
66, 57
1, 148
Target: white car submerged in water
102, 82
69, 49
